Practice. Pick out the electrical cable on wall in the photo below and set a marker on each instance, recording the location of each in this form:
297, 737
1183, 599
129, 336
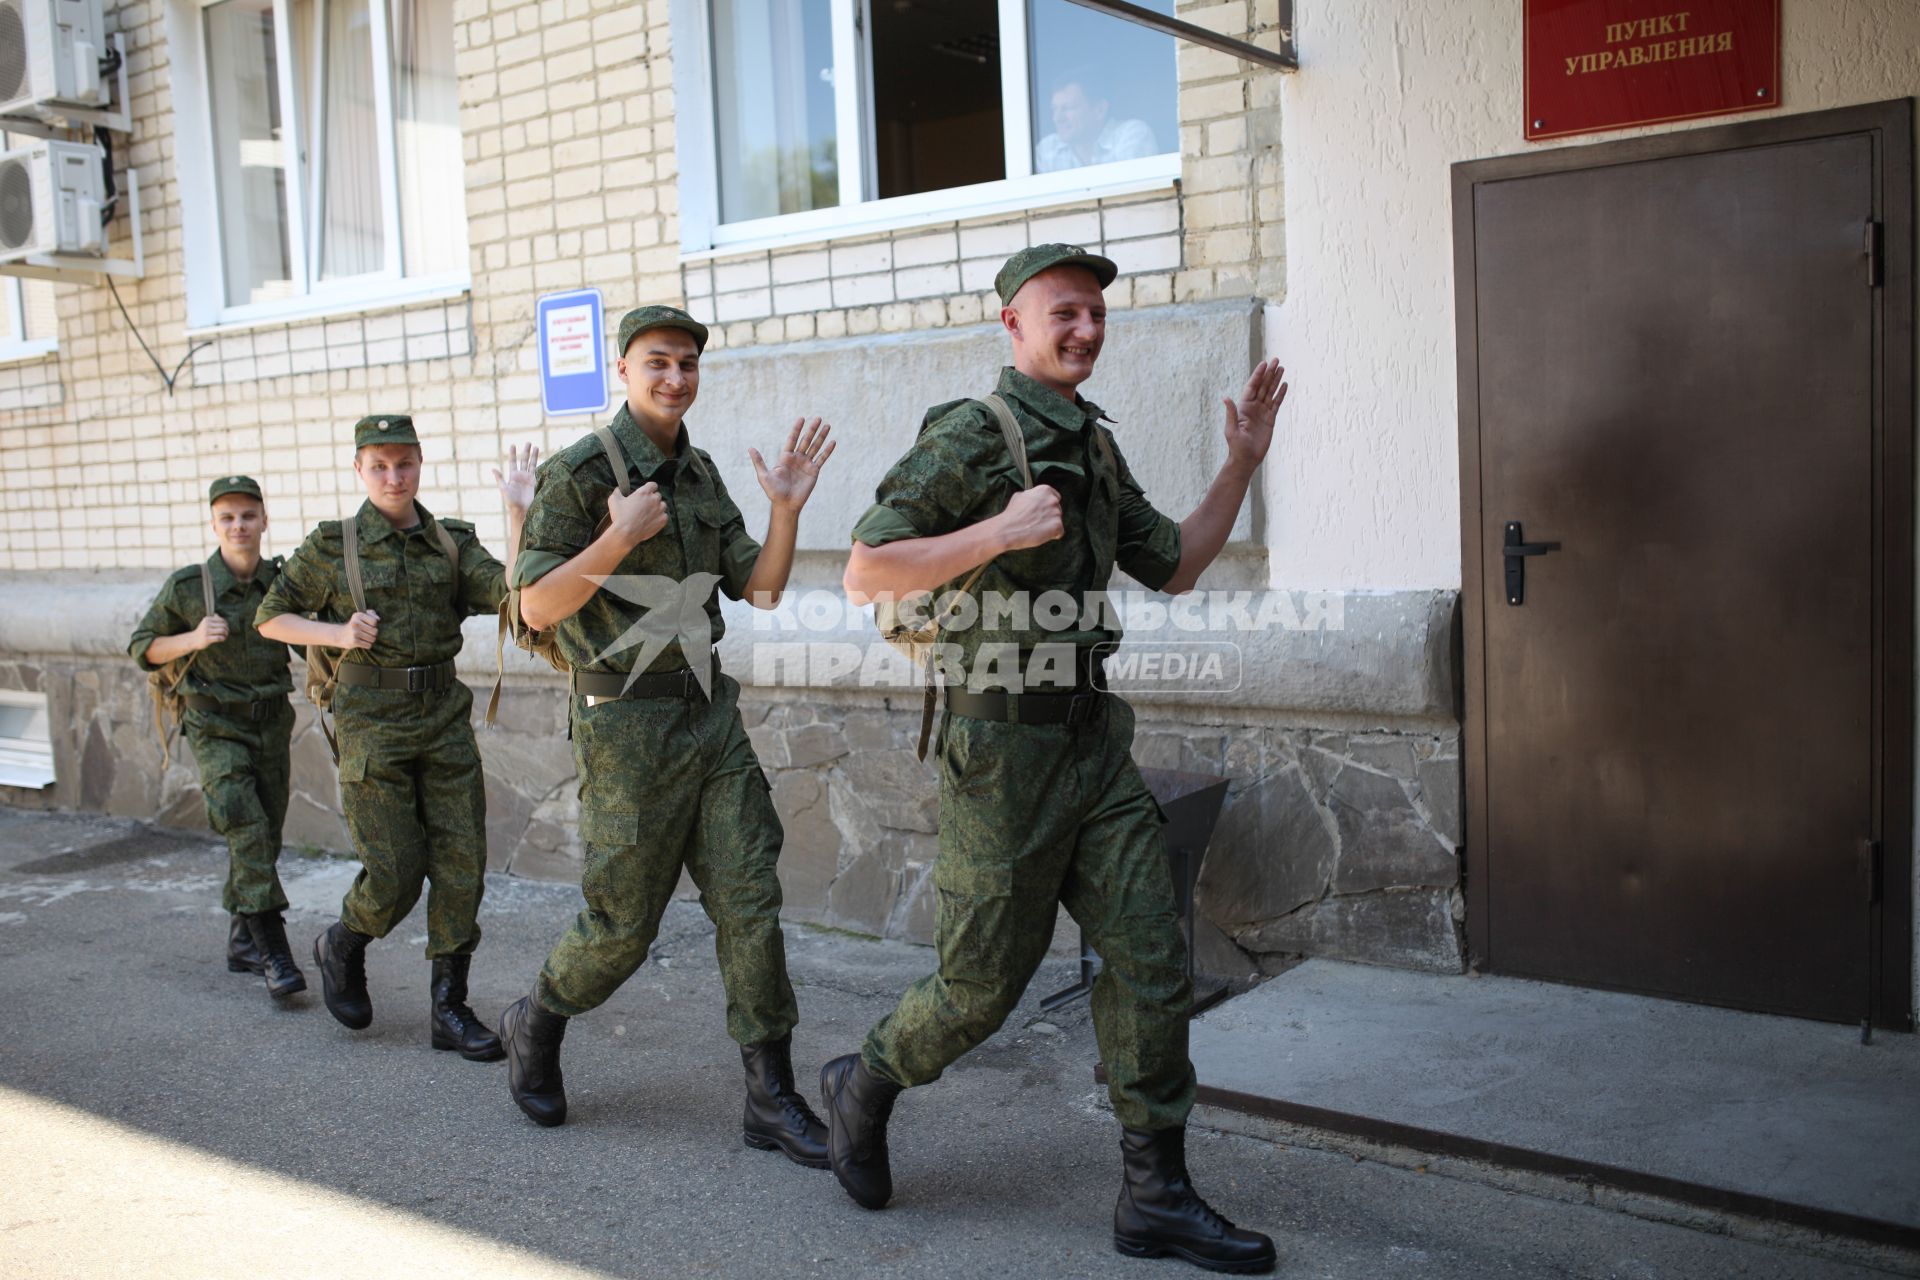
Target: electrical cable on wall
168, 378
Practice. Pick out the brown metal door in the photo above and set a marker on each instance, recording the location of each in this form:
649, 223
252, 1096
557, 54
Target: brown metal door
1675, 385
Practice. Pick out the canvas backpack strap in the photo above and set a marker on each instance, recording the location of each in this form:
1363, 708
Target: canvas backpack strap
622, 478
452, 551
1017, 446
350, 547
206, 588
1016, 443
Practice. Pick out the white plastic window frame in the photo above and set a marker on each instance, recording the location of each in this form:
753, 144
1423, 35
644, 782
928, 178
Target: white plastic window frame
703, 235
14, 350
207, 307
13, 300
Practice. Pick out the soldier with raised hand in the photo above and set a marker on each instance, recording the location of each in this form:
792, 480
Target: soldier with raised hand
1040, 801
236, 719
621, 566
410, 779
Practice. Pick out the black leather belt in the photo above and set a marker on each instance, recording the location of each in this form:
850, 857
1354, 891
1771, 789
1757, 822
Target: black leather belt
259, 710
1058, 707
408, 679
683, 683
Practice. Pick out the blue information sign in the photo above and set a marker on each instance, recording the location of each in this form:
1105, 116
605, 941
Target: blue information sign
573, 352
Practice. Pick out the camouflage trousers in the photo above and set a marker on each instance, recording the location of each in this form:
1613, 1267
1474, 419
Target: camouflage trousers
1032, 816
244, 772
416, 808
667, 783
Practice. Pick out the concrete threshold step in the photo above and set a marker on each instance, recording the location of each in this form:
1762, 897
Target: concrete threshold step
1778, 1119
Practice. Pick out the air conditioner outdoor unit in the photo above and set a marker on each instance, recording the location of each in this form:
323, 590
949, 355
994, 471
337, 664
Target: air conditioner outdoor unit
50, 53
50, 197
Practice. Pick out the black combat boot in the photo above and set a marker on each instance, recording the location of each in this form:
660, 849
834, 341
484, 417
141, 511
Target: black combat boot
341, 955
1159, 1212
452, 1023
858, 1103
242, 955
270, 940
777, 1118
532, 1035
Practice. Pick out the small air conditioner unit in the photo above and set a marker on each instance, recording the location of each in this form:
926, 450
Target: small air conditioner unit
50, 53
50, 198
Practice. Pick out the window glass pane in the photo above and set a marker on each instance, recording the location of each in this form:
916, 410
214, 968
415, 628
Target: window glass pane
936, 94
426, 134
773, 107
1103, 89
334, 46
250, 177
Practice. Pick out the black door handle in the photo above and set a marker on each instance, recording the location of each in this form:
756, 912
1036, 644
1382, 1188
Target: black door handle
1515, 551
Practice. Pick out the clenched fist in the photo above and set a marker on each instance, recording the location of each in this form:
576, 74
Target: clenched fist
359, 631
1032, 518
211, 631
639, 515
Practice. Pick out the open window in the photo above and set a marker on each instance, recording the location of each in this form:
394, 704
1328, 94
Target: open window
810, 118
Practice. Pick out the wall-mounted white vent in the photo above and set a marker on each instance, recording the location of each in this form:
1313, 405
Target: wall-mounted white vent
26, 743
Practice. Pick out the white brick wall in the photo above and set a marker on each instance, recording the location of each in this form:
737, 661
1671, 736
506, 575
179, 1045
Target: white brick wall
567, 115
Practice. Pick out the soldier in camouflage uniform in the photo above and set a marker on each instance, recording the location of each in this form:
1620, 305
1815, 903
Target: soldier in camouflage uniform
410, 779
668, 778
237, 720
1040, 802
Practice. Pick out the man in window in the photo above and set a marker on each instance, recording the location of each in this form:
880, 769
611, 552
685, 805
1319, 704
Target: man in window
630, 534
1040, 802
236, 718
410, 781
1084, 132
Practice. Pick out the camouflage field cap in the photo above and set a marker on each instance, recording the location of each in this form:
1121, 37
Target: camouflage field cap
233, 484
641, 319
1028, 263
384, 428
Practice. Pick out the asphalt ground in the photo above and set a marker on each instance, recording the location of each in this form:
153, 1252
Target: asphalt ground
160, 1116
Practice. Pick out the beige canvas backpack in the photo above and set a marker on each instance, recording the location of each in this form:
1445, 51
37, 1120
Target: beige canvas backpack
167, 685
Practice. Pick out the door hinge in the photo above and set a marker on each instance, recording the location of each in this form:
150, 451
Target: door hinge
1874, 854
1875, 241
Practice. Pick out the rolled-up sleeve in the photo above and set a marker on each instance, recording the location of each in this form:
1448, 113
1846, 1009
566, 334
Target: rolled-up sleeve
483, 579
957, 473
302, 586
557, 527
1148, 548
161, 619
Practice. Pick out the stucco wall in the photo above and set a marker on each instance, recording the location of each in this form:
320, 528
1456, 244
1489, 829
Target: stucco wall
1363, 489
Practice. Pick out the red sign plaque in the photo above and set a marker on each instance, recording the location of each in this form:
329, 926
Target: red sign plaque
1612, 64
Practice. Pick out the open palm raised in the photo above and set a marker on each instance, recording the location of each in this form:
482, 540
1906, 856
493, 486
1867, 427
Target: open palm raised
789, 481
1249, 429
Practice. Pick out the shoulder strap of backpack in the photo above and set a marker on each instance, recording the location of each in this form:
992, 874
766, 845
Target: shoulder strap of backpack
1016, 443
1017, 446
350, 545
452, 552
206, 589
618, 457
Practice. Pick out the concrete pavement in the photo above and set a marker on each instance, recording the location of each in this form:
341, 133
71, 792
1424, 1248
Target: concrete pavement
158, 1117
